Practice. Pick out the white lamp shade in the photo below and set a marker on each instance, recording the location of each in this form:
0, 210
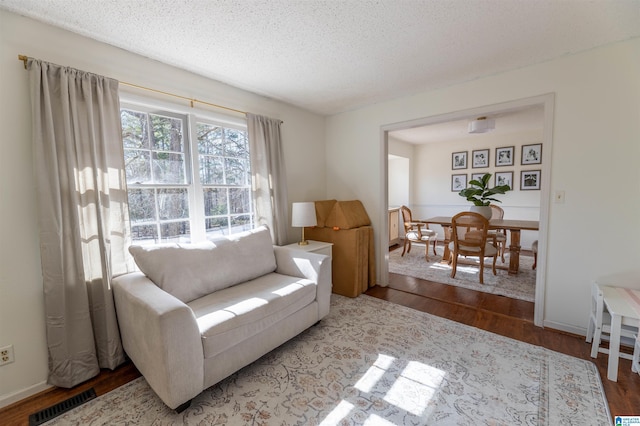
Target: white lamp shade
303, 214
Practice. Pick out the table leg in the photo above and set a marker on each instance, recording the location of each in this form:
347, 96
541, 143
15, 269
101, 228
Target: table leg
514, 252
447, 238
614, 347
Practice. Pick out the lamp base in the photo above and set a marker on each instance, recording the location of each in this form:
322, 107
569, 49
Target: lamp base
303, 242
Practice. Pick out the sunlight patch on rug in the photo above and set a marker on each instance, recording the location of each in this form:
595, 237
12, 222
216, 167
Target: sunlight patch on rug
521, 286
371, 362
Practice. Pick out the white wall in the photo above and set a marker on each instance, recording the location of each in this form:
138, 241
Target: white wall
401, 167
399, 171
594, 160
433, 195
21, 300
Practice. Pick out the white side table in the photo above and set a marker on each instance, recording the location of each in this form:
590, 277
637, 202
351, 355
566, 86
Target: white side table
319, 247
624, 306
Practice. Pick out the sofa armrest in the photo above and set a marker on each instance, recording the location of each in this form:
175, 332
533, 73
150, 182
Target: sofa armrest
313, 266
161, 336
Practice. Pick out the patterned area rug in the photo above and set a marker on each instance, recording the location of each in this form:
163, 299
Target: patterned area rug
374, 362
521, 286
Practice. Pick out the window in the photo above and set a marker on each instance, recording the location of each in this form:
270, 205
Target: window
225, 176
183, 191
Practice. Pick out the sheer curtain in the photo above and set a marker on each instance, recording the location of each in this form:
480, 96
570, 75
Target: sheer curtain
79, 163
269, 176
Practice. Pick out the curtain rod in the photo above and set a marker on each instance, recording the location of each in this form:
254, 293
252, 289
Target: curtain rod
24, 59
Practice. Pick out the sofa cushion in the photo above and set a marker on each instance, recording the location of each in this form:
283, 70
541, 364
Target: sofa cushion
190, 271
237, 313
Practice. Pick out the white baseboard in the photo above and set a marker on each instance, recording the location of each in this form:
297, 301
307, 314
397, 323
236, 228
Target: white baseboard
580, 331
624, 341
25, 393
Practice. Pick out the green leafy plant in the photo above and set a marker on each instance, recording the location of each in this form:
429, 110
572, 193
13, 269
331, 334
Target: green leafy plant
479, 194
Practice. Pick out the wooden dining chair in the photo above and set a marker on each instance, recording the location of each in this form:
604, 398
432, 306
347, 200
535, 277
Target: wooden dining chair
417, 232
469, 238
500, 235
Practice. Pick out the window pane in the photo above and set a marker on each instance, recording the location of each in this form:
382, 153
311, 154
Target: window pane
240, 223
236, 144
239, 200
211, 170
177, 232
210, 139
135, 129
236, 171
144, 234
137, 166
217, 226
173, 204
142, 207
215, 201
168, 168
167, 133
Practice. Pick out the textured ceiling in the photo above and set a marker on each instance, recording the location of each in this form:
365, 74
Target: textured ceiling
332, 56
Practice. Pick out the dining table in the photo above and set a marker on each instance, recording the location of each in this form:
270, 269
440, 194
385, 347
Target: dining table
514, 226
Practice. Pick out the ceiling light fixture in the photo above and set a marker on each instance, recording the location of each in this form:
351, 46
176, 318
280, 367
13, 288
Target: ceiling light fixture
482, 125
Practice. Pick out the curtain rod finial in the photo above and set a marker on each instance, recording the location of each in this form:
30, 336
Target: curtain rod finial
24, 59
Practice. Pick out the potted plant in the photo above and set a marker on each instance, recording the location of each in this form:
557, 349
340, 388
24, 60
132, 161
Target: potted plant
481, 195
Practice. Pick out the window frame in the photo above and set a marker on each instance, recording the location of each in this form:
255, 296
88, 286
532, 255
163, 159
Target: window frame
195, 194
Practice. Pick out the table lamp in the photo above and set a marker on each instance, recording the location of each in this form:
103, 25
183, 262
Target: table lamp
303, 214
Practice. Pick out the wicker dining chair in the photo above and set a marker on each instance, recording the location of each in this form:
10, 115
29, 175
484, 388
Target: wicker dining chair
469, 238
497, 212
417, 232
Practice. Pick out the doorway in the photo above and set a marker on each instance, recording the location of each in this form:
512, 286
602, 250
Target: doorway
504, 113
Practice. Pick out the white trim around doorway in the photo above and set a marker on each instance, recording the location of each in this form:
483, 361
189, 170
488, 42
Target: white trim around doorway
547, 101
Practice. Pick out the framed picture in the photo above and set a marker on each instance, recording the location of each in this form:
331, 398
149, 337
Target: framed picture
504, 156
459, 160
476, 176
531, 154
458, 182
504, 178
529, 179
480, 158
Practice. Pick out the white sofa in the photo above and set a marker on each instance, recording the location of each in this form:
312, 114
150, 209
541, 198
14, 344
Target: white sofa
198, 313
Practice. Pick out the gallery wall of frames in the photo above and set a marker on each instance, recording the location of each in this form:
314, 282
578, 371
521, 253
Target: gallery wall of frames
469, 165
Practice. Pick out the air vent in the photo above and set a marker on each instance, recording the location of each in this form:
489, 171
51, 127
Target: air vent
62, 407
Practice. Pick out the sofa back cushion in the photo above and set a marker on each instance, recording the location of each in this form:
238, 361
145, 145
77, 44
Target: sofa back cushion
190, 271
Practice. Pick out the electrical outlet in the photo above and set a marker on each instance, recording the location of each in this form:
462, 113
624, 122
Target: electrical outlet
6, 355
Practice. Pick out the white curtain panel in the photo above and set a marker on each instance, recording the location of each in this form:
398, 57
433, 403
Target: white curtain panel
269, 176
83, 216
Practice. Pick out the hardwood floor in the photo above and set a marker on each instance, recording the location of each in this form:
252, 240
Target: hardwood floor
501, 315
18, 413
